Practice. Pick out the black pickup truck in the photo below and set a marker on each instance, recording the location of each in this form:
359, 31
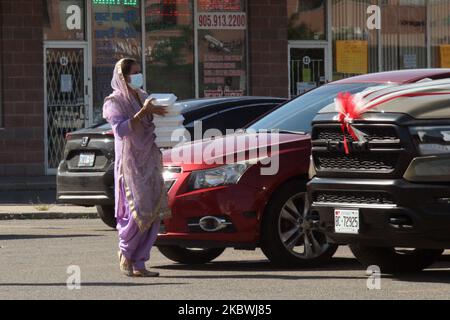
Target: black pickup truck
387, 194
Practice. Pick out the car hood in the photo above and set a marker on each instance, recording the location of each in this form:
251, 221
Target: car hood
429, 100
210, 153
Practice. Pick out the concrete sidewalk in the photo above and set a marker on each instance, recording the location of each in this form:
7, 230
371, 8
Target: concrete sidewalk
41, 211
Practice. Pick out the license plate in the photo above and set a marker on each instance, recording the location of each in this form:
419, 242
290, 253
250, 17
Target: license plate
346, 221
86, 160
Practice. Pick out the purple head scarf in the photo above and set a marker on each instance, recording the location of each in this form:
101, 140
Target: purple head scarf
141, 160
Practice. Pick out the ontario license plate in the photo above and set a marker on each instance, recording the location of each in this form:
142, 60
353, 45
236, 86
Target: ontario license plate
86, 160
346, 221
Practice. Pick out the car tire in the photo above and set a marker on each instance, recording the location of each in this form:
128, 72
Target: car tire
190, 256
107, 214
391, 260
275, 241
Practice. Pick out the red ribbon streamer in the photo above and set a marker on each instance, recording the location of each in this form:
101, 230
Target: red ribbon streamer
349, 111
347, 114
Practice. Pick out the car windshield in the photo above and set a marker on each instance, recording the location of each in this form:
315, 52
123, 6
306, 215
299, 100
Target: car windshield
297, 115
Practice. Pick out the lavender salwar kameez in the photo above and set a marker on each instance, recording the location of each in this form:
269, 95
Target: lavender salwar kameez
140, 196
134, 244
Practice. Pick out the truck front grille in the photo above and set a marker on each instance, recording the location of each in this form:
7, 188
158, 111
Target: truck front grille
383, 151
341, 197
371, 134
357, 162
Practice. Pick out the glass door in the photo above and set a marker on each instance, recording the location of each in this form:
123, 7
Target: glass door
66, 98
307, 69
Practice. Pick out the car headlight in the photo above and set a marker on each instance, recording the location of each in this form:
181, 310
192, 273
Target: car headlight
432, 140
221, 176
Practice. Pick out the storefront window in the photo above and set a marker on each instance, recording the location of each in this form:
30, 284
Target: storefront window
117, 34
64, 20
222, 47
440, 33
404, 29
170, 47
355, 47
307, 19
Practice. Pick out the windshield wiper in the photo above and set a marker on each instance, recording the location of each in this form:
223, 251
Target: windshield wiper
277, 131
291, 132
284, 131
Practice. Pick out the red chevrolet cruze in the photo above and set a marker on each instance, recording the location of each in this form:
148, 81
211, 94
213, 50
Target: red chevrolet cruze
247, 190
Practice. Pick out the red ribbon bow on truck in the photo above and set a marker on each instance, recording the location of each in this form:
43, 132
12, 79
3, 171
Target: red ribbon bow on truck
348, 108
351, 106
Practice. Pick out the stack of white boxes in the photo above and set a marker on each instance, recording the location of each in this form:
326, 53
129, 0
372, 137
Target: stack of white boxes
170, 130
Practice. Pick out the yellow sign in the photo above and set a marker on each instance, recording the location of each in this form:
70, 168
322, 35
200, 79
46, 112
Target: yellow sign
445, 55
352, 56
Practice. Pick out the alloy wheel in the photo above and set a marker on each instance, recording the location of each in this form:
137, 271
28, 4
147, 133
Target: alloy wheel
298, 231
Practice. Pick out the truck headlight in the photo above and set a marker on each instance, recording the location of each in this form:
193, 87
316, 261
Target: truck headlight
432, 140
221, 176
429, 169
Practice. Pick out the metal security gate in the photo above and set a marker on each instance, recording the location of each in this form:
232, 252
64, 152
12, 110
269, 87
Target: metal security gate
66, 99
308, 68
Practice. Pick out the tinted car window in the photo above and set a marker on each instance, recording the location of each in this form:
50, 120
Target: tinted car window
298, 114
236, 118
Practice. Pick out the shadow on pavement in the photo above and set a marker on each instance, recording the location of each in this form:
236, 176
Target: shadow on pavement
91, 284
427, 276
4, 237
437, 273
266, 277
336, 264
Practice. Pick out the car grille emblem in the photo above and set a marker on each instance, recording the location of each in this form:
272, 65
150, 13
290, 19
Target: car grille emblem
85, 142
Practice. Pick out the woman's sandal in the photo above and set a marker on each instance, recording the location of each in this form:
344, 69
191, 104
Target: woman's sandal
125, 265
145, 274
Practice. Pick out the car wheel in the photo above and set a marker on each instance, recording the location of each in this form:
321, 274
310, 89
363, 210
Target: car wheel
395, 260
289, 234
190, 256
107, 214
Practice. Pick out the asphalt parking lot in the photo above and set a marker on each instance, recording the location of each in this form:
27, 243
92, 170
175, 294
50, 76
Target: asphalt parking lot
36, 256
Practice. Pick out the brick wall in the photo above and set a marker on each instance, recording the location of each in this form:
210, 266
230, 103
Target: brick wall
268, 48
22, 128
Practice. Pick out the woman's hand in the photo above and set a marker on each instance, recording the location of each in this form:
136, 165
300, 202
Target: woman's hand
150, 108
148, 105
159, 111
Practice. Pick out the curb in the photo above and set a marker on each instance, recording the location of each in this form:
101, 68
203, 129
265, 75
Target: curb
48, 216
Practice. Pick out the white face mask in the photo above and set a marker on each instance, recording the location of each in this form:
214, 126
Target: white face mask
136, 81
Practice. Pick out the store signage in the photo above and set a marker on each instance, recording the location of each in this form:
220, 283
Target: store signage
64, 61
220, 5
352, 56
73, 21
116, 2
66, 83
410, 61
221, 27
222, 21
306, 60
444, 51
